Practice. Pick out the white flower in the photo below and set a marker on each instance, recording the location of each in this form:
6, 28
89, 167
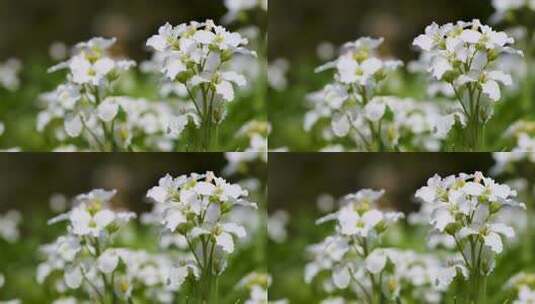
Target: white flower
73, 277
91, 218
376, 261
9, 74
276, 226
224, 84
525, 296
9, 226
107, 110
359, 218
107, 262
224, 236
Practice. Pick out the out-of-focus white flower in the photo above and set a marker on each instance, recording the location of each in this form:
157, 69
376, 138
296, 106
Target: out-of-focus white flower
58, 202
506, 8
522, 134
9, 74
326, 51
523, 286
276, 72
237, 7
9, 226
92, 218
90, 65
58, 51
82, 104
276, 226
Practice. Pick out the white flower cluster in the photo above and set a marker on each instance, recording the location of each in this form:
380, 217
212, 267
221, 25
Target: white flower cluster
85, 256
351, 253
81, 101
9, 74
9, 226
466, 208
463, 55
195, 207
402, 124
134, 123
523, 286
374, 123
194, 55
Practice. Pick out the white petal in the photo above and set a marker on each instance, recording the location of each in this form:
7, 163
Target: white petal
494, 241
470, 36
439, 67
340, 125
501, 77
107, 111
225, 241
73, 277
372, 65
204, 188
104, 218
424, 42
473, 188
441, 217
235, 229
174, 218
177, 276
108, 261
225, 89
503, 229
73, 126
372, 217
376, 261
104, 66
492, 90
375, 110
341, 277
157, 42
234, 77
